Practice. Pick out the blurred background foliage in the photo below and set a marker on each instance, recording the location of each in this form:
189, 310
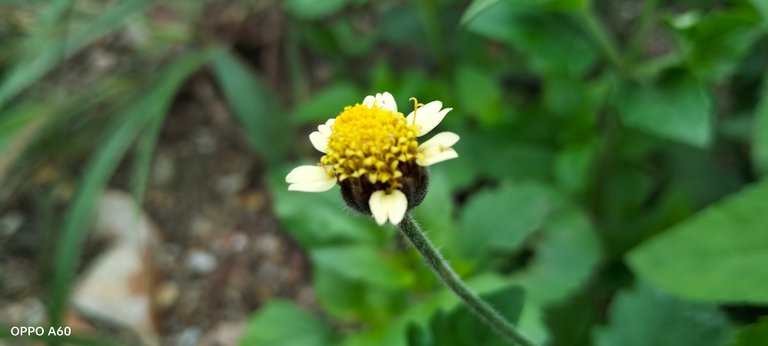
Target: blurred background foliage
608, 189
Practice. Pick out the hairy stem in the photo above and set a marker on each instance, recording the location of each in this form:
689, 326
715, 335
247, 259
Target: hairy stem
479, 307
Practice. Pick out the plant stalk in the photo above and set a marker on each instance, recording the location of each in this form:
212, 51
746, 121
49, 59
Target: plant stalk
479, 307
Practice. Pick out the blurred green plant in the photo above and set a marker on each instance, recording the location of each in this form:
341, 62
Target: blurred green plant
591, 142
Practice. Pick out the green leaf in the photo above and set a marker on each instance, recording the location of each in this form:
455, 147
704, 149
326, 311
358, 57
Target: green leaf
253, 105
313, 9
554, 39
718, 42
521, 160
570, 322
328, 103
476, 8
717, 255
761, 6
678, 108
101, 166
644, 316
500, 219
752, 335
573, 166
760, 133
345, 296
479, 94
461, 327
567, 251
320, 219
283, 323
43, 56
361, 263
394, 331
401, 24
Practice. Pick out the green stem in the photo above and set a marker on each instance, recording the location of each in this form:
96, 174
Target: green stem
643, 27
599, 33
479, 307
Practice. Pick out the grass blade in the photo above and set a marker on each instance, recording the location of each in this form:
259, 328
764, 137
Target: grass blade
98, 171
38, 62
252, 104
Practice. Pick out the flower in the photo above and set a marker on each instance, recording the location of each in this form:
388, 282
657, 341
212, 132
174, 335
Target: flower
371, 150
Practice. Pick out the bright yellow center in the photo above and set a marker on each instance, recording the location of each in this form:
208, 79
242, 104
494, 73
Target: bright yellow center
370, 143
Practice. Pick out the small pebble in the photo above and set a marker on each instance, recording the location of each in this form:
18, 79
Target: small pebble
201, 262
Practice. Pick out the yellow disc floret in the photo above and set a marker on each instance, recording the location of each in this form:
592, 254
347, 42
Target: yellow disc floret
370, 143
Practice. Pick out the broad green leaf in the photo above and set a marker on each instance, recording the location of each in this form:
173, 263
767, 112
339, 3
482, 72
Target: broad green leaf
283, 323
644, 316
348, 296
361, 263
678, 107
401, 24
44, 57
479, 158
313, 9
476, 8
253, 105
395, 331
123, 132
760, 133
752, 335
554, 39
570, 321
567, 252
573, 167
320, 219
500, 219
461, 327
479, 94
761, 6
717, 255
717, 42
328, 103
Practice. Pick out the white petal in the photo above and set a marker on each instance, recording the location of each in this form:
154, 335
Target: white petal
386, 101
310, 179
378, 208
438, 149
383, 100
398, 204
369, 101
326, 128
443, 139
390, 206
428, 117
436, 157
319, 141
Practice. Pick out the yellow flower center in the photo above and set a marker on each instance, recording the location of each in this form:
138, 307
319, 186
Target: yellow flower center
370, 143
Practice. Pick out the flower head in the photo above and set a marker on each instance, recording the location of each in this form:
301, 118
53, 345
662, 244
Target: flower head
372, 151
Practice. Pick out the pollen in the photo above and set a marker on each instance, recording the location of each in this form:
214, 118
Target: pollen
370, 143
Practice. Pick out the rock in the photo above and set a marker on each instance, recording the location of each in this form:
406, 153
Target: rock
190, 336
116, 285
10, 222
201, 262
